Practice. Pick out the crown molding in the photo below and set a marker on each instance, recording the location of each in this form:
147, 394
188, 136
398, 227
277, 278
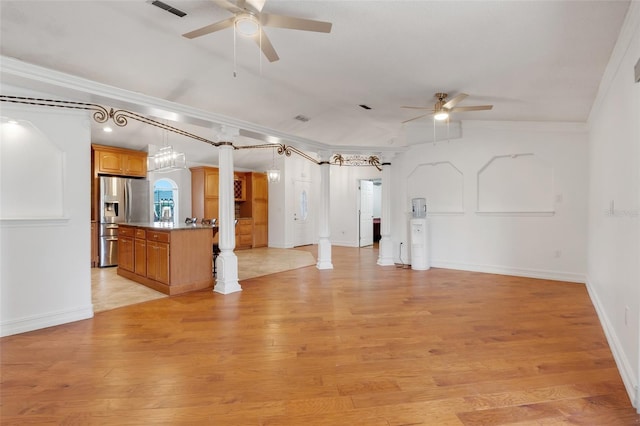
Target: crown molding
628, 33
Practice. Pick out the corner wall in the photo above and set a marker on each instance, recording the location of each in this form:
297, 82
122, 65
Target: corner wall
45, 276
613, 278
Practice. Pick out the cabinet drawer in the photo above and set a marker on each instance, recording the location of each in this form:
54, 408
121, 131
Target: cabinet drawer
245, 240
162, 237
141, 233
125, 231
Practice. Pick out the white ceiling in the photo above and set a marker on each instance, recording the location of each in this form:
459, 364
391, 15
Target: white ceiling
533, 60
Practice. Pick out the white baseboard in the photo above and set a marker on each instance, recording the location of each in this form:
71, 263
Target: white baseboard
518, 272
36, 322
626, 372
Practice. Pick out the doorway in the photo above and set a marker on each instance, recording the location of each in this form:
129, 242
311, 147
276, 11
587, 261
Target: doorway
302, 216
369, 208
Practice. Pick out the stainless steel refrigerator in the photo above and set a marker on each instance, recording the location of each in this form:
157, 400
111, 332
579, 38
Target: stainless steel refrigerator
122, 200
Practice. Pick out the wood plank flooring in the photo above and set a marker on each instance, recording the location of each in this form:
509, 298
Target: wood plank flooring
356, 345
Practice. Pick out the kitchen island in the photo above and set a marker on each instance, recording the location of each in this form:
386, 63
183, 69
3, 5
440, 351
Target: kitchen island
171, 259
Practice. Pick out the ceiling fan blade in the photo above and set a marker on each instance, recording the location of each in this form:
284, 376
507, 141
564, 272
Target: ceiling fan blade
415, 118
228, 5
220, 25
454, 101
266, 46
417, 107
281, 21
472, 108
257, 4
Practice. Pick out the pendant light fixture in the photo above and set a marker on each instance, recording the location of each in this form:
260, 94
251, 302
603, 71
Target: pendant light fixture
273, 174
166, 159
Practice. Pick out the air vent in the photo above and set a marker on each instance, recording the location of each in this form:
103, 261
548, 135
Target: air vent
363, 106
302, 118
168, 8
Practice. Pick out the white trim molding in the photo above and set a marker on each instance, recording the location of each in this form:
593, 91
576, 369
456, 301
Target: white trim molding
622, 362
48, 319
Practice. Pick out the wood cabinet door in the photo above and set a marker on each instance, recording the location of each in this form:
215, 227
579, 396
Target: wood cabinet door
158, 261
211, 180
152, 259
140, 257
125, 253
162, 263
94, 244
135, 165
109, 162
260, 209
211, 208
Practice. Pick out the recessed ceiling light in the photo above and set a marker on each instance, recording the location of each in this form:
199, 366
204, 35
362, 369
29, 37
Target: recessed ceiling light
107, 129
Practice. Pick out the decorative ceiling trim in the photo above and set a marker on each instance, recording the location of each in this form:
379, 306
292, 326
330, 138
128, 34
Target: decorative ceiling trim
121, 118
26, 75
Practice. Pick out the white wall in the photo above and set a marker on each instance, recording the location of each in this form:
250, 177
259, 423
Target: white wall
344, 202
282, 199
536, 230
45, 248
614, 198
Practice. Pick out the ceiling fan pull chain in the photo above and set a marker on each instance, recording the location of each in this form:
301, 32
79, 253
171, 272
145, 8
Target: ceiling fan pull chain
234, 50
260, 50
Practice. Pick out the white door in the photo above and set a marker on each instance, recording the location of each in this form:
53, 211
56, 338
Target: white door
303, 223
366, 213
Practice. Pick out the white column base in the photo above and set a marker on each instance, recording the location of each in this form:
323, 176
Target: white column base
385, 251
227, 273
324, 254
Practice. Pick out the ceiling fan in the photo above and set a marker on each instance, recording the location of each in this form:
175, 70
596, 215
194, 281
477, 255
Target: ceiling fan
249, 21
443, 108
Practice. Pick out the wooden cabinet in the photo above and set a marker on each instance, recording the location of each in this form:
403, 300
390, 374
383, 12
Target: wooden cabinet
158, 256
256, 207
260, 209
94, 244
244, 233
204, 192
118, 161
126, 259
251, 195
140, 253
239, 186
158, 261
171, 261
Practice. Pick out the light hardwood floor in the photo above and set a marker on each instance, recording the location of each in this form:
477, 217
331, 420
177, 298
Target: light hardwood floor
109, 290
356, 345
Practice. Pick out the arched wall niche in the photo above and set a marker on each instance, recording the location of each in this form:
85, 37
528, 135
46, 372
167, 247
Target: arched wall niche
441, 184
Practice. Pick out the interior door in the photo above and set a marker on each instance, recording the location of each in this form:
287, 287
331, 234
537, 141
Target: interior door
303, 223
365, 213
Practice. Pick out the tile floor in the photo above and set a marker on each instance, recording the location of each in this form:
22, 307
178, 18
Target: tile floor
109, 290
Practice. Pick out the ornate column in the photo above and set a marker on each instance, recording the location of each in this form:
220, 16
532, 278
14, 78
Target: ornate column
324, 243
227, 261
385, 250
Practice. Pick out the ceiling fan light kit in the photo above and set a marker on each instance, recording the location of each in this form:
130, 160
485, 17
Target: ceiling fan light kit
247, 24
248, 20
442, 109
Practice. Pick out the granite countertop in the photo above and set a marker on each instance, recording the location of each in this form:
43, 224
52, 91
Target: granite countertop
169, 226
